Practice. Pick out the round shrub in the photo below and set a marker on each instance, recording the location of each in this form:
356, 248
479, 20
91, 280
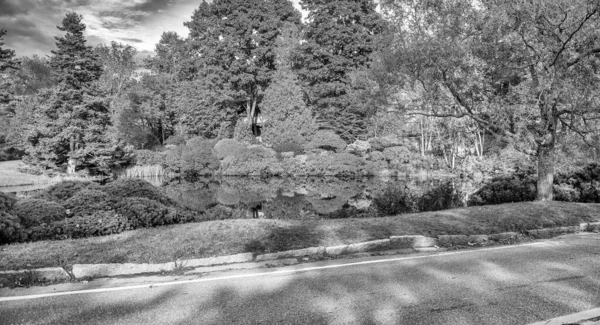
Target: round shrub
7, 201
34, 212
327, 140
10, 227
142, 212
64, 190
135, 187
442, 197
227, 147
87, 202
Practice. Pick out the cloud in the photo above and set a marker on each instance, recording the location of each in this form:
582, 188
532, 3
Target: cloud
31, 24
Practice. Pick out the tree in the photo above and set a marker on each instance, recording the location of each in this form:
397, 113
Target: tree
286, 117
118, 65
34, 75
234, 43
172, 57
71, 126
7, 63
339, 38
525, 71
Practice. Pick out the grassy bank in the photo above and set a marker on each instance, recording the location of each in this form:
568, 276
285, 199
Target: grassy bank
214, 238
10, 176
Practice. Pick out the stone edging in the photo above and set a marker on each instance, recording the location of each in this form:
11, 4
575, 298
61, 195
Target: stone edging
416, 243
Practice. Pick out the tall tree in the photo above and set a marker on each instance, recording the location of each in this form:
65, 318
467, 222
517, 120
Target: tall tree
525, 71
7, 63
71, 126
118, 65
339, 38
35, 74
234, 42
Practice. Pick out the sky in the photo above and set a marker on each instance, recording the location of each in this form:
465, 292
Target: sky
31, 24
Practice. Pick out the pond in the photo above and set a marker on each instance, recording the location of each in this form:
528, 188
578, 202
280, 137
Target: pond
285, 198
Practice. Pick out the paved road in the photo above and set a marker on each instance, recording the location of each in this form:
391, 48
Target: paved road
499, 285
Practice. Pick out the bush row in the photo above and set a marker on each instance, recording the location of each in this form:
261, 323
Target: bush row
397, 199
78, 209
579, 186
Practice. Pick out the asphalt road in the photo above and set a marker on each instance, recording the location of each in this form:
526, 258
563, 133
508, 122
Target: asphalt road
498, 285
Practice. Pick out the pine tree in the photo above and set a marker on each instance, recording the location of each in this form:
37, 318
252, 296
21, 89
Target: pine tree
7, 63
339, 38
71, 128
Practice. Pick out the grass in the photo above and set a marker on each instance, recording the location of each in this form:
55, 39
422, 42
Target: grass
215, 238
11, 176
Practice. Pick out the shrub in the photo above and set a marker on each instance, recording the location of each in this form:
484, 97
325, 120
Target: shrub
10, 228
62, 191
135, 187
7, 201
327, 140
99, 223
87, 202
149, 157
566, 192
442, 197
142, 212
289, 147
32, 212
227, 147
519, 187
396, 199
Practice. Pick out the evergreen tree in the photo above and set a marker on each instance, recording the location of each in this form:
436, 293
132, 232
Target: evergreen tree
339, 38
7, 63
234, 41
71, 127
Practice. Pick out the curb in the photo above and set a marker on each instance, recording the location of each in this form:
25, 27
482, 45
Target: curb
590, 317
410, 243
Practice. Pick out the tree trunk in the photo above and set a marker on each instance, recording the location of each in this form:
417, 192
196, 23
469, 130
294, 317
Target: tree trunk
545, 156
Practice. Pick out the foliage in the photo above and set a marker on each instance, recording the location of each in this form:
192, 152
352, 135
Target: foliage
234, 41
34, 75
118, 66
286, 118
395, 200
33, 212
64, 190
87, 202
327, 140
142, 212
149, 157
10, 228
441, 197
7, 63
339, 38
528, 77
289, 147
7, 201
193, 159
72, 123
135, 187
100, 223
228, 147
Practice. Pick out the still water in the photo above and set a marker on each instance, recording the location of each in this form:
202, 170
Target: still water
284, 198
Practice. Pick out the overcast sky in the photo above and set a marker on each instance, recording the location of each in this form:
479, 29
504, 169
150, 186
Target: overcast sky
31, 24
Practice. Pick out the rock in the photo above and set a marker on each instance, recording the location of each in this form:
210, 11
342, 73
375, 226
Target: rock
380, 143
227, 147
359, 148
453, 240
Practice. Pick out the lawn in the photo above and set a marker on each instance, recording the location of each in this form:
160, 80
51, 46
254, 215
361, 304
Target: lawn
11, 176
215, 238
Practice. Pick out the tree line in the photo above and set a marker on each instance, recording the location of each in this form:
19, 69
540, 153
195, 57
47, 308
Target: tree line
461, 77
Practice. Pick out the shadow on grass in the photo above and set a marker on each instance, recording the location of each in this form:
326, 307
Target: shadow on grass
286, 238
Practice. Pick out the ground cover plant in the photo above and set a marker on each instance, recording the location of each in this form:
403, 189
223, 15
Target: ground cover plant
224, 237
